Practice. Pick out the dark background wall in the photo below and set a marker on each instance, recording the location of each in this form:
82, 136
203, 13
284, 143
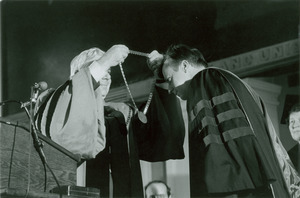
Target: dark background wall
40, 38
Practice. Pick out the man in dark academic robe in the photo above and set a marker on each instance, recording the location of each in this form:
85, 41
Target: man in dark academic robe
233, 149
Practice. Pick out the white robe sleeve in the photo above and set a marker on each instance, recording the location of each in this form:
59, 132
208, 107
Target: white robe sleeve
78, 120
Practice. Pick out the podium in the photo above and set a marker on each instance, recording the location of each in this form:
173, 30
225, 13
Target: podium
21, 167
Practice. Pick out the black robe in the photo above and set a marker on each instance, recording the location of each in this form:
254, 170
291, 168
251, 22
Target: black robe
162, 137
115, 159
229, 144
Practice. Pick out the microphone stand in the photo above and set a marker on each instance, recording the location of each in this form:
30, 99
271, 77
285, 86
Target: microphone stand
32, 127
38, 145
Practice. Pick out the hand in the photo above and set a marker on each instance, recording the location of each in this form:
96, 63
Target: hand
155, 63
155, 60
120, 106
114, 56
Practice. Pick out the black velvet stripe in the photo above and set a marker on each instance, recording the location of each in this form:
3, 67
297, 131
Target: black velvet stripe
209, 131
52, 106
225, 106
237, 133
204, 117
233, 123
211, 134
230, 114
39, 114
201, 105
228, 96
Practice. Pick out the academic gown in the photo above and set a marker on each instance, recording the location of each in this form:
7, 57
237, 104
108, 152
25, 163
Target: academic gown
162, 137
115, 160
73, 116
230, 147
232, 150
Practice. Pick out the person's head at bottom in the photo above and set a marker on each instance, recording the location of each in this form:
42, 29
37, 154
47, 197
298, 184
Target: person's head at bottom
294, 122
157, 189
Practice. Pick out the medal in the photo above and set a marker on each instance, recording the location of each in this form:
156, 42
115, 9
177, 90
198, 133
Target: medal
142, 117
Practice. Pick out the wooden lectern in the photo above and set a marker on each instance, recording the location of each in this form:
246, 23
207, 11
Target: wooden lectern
22, 169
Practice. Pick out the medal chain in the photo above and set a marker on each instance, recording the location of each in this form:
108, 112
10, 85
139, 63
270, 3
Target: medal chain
129, 116
141, 115
154, 80
138, 53
150, 97
127, 86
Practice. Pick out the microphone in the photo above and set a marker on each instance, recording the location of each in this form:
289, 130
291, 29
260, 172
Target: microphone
35, 89
41, 86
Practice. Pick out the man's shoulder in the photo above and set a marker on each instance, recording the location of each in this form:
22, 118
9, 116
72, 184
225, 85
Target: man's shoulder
217, 71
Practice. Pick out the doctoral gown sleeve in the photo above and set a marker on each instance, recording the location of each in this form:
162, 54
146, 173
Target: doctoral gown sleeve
230, 148
77, 118
285, 172
163, 136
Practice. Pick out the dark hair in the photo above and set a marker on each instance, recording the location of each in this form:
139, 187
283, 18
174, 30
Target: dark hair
294, 108
159, 182
180, 52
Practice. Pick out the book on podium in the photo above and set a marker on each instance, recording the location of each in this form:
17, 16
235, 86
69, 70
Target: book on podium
77, 191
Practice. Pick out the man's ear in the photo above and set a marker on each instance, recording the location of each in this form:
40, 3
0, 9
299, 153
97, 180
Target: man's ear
184, 65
